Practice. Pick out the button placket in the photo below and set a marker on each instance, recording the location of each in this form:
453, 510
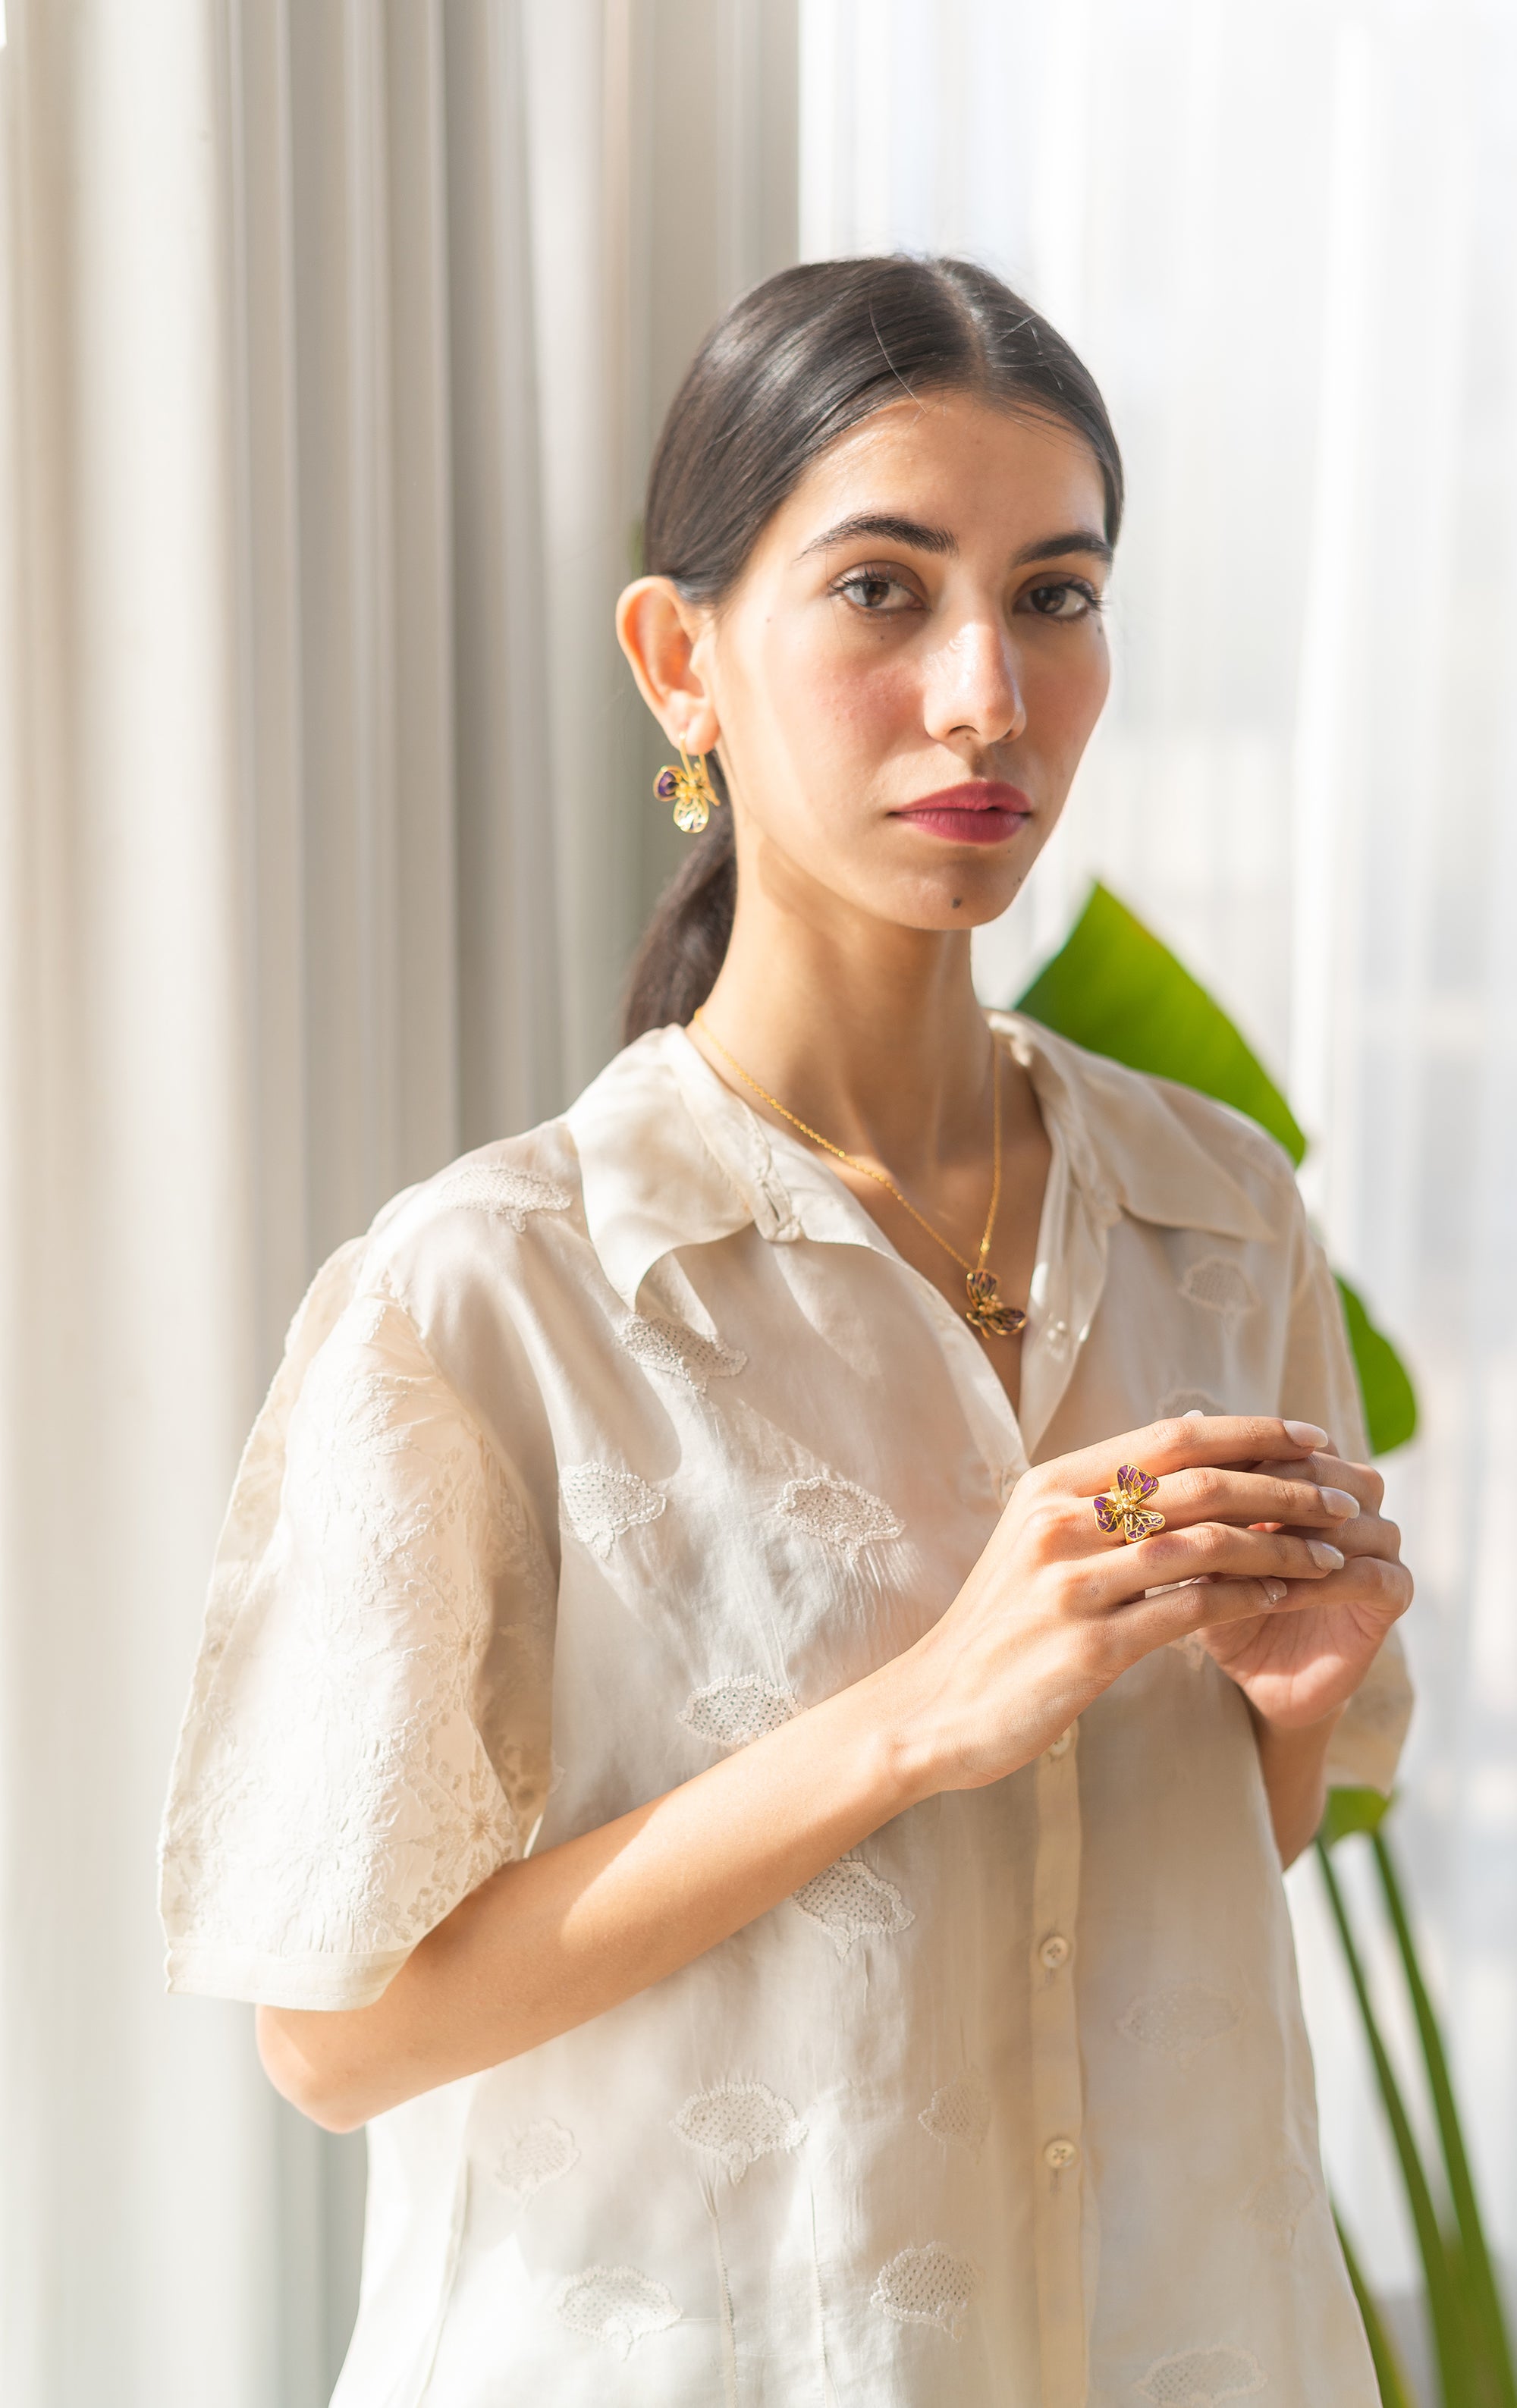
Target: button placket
1057, 2090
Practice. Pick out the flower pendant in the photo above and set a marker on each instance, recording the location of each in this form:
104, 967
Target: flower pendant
986, 1310
691, 796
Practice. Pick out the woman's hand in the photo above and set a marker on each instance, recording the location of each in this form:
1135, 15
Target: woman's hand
1052, 1613
1057, 1608
1298, 1669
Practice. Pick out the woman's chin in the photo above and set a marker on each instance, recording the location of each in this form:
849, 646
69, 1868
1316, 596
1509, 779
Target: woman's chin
972, 900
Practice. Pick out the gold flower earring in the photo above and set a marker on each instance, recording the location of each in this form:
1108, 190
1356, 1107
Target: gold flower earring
690, 790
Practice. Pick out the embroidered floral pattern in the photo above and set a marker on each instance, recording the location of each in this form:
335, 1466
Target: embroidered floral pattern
617, 2306
1202, 2378
600, 1501
540, 2153
1179, 1401
729, 1713
325, 1824
850, 1903
1195, 1650
1220, 1285
682, 1354
1277, 2204
1181, 2022
495, 1187
926, 2287
959, 2114
838, 1512
738, 2123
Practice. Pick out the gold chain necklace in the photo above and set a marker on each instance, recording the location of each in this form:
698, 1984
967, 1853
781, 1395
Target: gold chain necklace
986, 1310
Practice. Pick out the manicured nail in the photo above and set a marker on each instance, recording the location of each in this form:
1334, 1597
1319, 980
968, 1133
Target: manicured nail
1330, 1558
1275, 1591
1306, 1434
1342, 1507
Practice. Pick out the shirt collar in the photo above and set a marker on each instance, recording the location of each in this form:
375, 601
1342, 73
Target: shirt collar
670, 1157
1131, 1142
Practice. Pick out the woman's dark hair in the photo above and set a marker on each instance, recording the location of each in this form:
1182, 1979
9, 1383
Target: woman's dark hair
792, 366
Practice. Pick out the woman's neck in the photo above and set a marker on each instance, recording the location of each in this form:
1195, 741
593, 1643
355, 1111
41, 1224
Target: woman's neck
868, 1031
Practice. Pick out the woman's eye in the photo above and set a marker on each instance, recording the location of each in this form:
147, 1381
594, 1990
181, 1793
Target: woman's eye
1066, 600
873, 590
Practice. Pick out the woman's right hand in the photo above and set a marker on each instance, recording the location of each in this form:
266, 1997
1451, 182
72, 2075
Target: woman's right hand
1055, 1609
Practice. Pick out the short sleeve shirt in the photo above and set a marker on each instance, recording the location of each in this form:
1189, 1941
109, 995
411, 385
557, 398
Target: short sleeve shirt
608, 1451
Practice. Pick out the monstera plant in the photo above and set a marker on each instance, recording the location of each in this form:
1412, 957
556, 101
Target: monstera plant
1116, 989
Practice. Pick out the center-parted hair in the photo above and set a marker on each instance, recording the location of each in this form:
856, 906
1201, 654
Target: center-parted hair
791, 365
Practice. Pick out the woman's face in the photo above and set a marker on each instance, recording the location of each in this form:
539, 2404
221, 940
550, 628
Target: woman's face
907, 674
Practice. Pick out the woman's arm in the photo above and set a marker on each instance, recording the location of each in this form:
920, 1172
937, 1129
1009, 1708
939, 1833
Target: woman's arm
1297, 1672
1049, 1616
1295, 1767
545, 1944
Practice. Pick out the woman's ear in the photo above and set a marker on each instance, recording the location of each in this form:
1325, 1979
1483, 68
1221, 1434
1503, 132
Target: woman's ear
658, 630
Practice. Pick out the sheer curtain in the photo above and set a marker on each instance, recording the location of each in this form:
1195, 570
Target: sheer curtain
332, 335
1284, 239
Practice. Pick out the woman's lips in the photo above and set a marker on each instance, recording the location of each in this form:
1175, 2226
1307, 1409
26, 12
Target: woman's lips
986, 812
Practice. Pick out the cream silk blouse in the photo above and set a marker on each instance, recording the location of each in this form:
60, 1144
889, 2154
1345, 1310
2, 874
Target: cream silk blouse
605, 1452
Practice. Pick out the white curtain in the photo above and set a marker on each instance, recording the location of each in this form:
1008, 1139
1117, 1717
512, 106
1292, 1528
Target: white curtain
332, 333
1284, 237
332, 336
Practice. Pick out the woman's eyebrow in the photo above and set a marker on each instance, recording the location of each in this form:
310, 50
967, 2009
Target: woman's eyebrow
1053, 547
887, 529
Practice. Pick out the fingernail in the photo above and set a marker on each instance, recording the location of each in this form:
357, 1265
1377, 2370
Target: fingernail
1193, 1414
1340, 1504
1306, 1434
1330, 1558
1275, 1591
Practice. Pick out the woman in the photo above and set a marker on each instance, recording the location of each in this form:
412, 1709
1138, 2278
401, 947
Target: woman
775, 1632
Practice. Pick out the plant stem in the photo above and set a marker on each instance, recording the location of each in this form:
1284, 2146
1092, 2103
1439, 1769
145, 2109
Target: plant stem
1455, 2372
1394, 2390
1479, 2278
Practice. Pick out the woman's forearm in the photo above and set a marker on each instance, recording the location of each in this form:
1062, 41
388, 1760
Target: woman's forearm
1050, 1615
1294, 1769
545, 1944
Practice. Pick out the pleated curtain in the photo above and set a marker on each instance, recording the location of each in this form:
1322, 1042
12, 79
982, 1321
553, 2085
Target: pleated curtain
333, 337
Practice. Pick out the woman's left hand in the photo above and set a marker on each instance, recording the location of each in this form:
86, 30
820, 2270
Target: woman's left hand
1297, 1668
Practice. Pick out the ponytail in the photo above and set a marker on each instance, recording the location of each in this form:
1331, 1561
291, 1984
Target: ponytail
685, 943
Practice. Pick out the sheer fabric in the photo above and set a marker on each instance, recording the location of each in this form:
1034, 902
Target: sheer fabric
606, 1451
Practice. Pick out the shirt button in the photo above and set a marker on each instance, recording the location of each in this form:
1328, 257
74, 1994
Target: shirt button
1055, 1951
1059, 2154
1061, 1746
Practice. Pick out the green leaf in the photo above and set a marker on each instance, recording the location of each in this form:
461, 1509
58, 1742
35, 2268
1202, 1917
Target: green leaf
1351, 1810
1115, 989
1390, 1399
1394, 2390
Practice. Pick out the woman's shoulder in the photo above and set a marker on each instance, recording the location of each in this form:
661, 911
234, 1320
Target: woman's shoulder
1168, 1150
511, 1182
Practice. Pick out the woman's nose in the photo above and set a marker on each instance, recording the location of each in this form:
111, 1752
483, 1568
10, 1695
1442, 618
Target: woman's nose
973, 687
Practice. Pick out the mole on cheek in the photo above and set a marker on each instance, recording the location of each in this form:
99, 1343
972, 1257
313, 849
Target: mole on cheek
957, 901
